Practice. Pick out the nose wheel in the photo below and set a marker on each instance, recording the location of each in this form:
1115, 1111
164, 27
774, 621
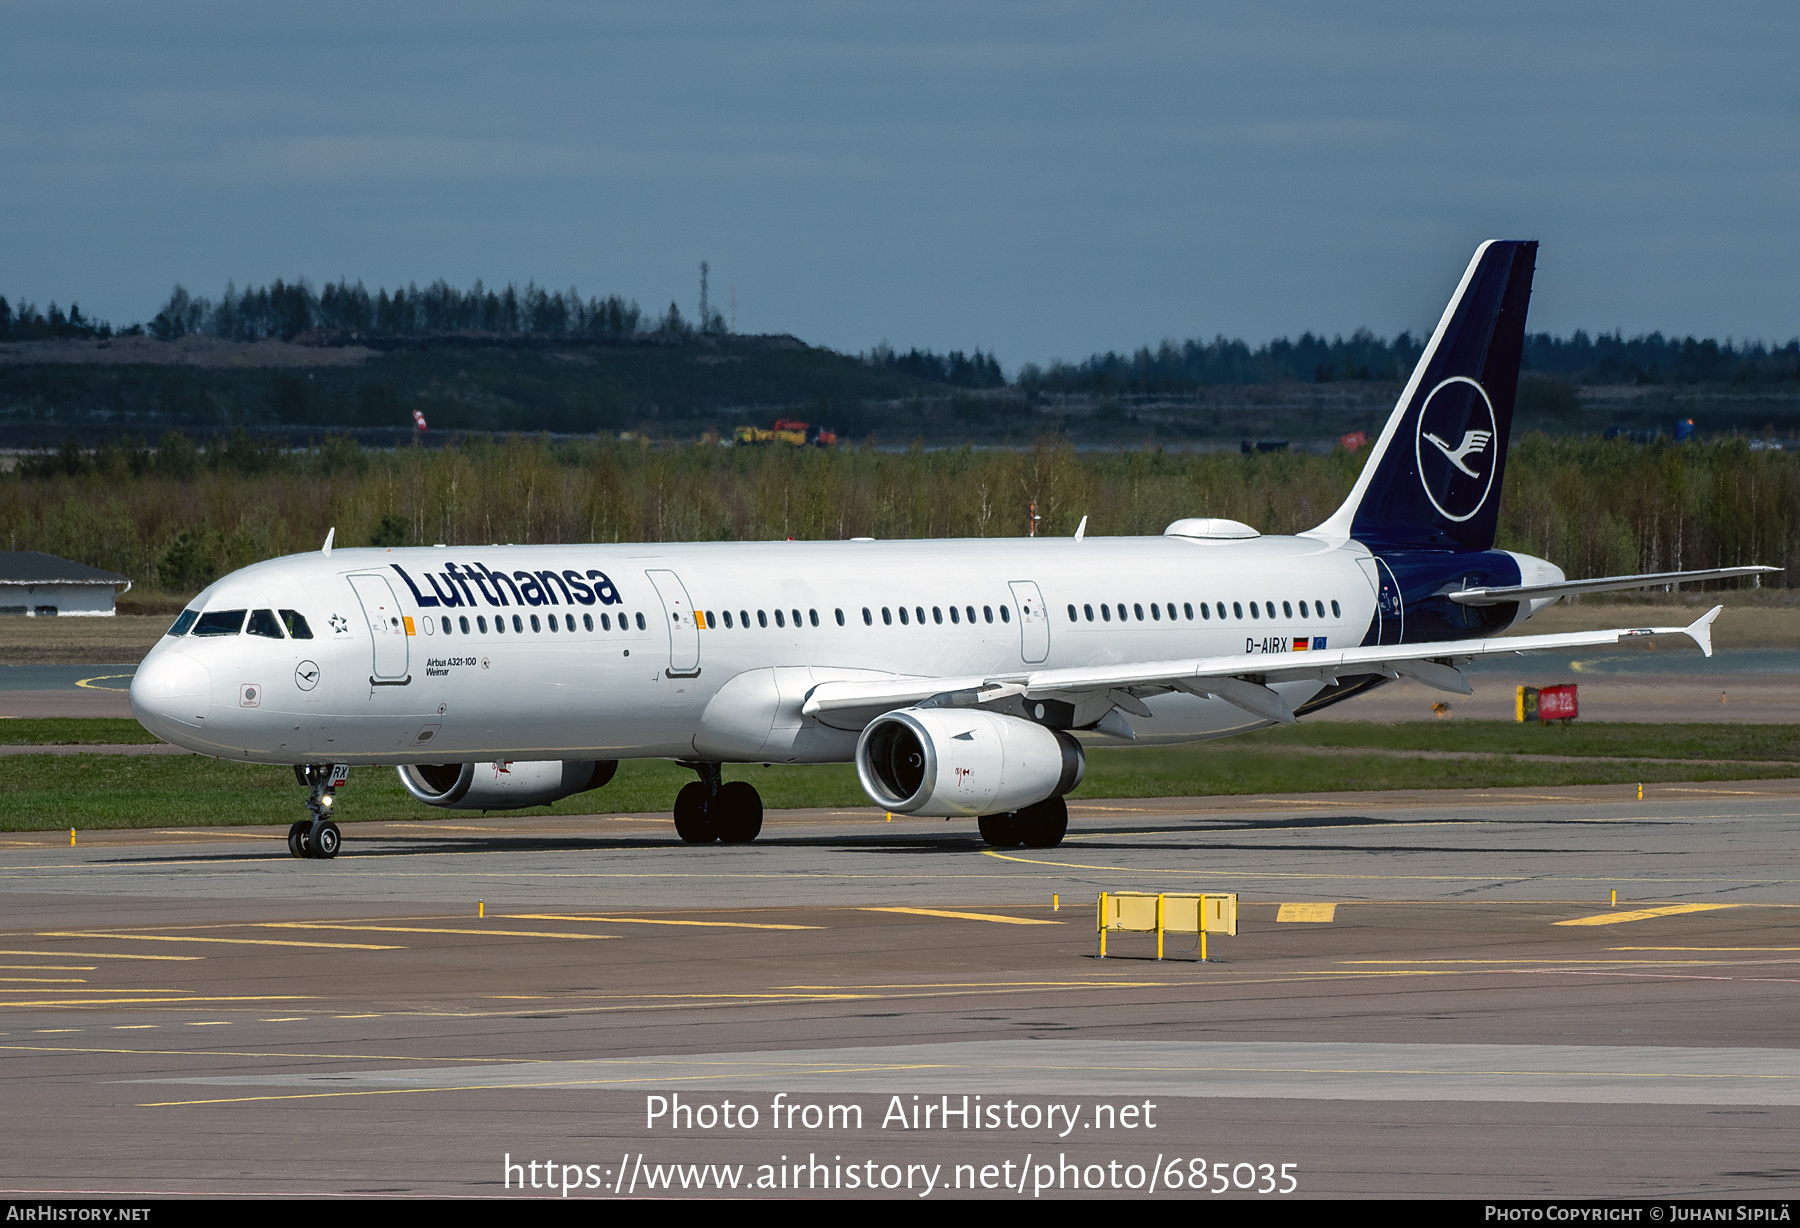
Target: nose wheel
317, 837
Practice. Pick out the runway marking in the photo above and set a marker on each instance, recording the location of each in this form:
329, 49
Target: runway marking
966, 916
88, 682
1006, 985
342, 1057
1515, 963
1307, 912
407, 929
50, 967
1703, 948
134, 1027
288, 997
669, 997
44, 980
210, 1023
480, 1087
242, 942
736, 925
105, 955
1642, 914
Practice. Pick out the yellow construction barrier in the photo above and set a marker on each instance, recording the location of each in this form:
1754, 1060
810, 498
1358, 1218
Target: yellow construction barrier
1144, 912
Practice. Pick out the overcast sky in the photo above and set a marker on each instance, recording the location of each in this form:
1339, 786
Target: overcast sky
1040, 180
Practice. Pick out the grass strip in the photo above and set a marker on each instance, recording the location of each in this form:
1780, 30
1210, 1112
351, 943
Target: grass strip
53, 792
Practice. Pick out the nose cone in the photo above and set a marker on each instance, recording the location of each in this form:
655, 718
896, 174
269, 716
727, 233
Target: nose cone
170, 694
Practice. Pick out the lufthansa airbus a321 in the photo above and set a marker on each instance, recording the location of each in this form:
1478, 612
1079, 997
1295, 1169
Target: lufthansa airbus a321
961, 677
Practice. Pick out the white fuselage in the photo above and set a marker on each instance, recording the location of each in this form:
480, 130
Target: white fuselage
652, 667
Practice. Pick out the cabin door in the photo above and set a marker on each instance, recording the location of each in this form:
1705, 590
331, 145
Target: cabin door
678, 620
387, 627
1034, 622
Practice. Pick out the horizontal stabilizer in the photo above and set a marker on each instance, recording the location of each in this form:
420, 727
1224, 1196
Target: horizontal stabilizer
1600, 584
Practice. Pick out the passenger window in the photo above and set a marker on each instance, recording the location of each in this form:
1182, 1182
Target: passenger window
463, 623
185, 621
1005, 614
796, 618
812, 616
970, 611
1287, 611
1122, 615
937, 615
519, 624
587, 622
868, 618
728, 620
903, 621
920, 611
762, 618
1088, 610
1072, 616
1205, 611
1237, 609
887, 619
780, 619
481, 624
1334, 610
987, 612
1171, 611
1155, 611
956, 615
1302, 609
1255, 610
1139, 611
606, 622
534, 623
1187, 608
262, 622
220, 622
840, 617
1106, 612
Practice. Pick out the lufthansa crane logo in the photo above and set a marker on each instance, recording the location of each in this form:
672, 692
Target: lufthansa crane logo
1455, 447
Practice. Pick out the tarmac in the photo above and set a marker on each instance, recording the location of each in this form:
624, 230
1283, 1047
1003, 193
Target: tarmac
1428, 994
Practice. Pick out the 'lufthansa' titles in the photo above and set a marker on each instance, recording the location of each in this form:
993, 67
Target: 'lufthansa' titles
459, 585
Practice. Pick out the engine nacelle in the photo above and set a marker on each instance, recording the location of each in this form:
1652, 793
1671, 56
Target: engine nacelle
963, 761
503, 785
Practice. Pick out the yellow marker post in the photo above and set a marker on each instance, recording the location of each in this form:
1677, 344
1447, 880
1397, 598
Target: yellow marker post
1159, 926
1615, 899
1640, 790
481, 909
71, 837
1100, 919
1055, 902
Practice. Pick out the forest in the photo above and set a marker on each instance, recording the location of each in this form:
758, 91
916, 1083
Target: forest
176, 516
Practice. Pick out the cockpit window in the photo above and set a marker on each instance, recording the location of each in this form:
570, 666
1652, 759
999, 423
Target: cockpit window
184, 622
220, 622
296, 624
262, 622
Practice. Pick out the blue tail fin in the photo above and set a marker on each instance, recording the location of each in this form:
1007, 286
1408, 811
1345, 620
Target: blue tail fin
1433, 478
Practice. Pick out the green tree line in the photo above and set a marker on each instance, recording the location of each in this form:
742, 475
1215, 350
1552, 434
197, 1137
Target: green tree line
176, 517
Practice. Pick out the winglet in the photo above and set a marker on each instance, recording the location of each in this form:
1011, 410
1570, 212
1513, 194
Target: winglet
1081, 529
1700, 630
331, 533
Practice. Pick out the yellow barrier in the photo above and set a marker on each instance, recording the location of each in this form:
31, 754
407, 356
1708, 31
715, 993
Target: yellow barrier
1143, 912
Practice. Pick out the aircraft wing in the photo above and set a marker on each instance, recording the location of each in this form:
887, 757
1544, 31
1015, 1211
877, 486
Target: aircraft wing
1238, 680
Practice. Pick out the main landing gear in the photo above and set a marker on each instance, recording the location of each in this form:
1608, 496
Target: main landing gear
709, 810
1040, 826
317, 836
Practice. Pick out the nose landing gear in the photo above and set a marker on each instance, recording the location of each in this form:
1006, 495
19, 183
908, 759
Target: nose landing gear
707, 809
318, 836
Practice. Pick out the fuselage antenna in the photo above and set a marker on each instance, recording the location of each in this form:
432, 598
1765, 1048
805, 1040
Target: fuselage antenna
1081, 529
331, 533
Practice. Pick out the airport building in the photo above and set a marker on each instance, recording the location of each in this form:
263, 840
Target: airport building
40, 585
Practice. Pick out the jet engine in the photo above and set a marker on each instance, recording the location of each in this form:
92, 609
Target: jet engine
963, 761
503, 785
